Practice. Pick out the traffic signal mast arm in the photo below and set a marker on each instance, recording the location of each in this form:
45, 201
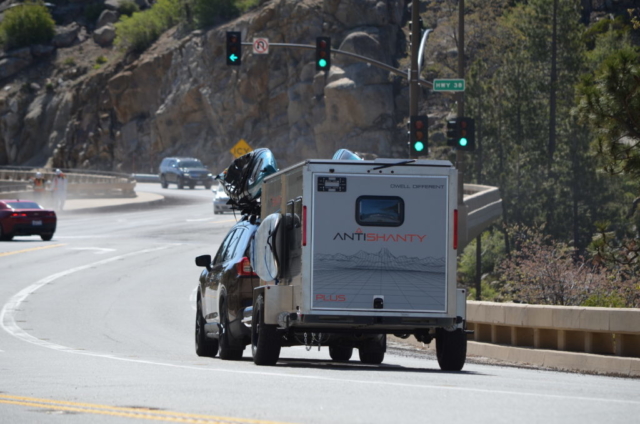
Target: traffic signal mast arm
373, 62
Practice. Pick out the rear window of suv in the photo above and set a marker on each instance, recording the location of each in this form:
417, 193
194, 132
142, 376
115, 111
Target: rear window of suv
191, 164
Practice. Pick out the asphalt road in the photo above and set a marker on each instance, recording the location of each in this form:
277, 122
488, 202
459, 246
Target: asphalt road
97, 326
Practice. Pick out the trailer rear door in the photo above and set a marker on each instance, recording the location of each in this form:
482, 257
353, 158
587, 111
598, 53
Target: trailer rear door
380, 242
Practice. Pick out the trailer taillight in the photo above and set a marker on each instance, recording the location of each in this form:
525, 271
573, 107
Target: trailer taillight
304, 225
455, 229
244, 268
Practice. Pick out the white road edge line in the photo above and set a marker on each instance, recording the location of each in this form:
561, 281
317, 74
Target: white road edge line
8, 323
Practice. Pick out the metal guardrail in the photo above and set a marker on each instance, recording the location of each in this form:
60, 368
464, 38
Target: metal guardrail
608, 331
17, 179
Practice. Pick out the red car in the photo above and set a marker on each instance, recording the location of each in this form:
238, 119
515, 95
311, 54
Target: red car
26, 218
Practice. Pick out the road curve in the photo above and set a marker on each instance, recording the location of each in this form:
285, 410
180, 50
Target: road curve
97, 326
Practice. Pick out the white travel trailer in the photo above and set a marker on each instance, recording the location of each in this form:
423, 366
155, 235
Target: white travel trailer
350, 251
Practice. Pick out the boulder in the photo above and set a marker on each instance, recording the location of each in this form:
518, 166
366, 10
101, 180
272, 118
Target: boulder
104, 36
23, 53
66, 36
107, 17
11, 65
115, 4
40, 50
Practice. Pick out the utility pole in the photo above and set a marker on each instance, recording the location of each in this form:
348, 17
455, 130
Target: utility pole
414, 89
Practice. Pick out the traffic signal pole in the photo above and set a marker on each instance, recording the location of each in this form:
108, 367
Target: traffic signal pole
459, 153
414, 76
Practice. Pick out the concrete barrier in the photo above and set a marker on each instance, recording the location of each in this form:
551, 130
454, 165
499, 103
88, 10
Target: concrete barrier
15, 182
609, 331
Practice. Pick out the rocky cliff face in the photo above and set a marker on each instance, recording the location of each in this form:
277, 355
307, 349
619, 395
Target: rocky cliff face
181, 97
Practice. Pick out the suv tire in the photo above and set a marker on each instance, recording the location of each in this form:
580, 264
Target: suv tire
204, 345
227, 351
451, 349
265, 343
163, 182
372, 351
340, 353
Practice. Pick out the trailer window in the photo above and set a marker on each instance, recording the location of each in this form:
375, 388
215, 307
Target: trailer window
380, 211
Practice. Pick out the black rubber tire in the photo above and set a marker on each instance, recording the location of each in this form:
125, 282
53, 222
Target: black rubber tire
207, 186
46, 237
192, 186
163, 182
227, 351
180, 184
204, 345
4, 236
451, 349
340, 353
372, 352
265, 342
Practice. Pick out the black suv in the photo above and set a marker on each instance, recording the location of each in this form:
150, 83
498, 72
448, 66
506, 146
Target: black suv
225, 295
184, 172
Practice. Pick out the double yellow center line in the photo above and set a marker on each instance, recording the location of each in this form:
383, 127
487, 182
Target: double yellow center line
49, 246
129, 412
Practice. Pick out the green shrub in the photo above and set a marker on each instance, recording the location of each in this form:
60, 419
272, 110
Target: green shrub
92, 11
128, 8
69, 61
138, 31
206, 13
244, 5
27, 24
101, 60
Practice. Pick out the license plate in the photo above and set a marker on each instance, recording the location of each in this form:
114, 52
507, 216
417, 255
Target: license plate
36, 222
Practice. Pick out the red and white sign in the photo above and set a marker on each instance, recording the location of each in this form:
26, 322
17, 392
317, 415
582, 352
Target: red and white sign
260, 46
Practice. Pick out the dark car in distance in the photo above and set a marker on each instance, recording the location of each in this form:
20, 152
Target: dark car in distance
225, 294
26, 218
183, 172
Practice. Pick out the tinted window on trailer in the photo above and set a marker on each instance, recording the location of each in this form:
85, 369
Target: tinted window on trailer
380, 211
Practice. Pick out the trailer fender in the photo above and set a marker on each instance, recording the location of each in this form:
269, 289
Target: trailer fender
277, 299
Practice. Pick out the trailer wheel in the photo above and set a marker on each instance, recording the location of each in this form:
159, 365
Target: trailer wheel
204, 345
227, 352
340, 353
265, 343
451, 349
372, 351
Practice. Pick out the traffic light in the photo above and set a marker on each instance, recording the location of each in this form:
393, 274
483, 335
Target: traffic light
452, 132
234, 48
466, 134
461, 134
323, 53
419, 135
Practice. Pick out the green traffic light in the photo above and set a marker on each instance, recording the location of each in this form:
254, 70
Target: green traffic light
322, 63
463, 142
418, 146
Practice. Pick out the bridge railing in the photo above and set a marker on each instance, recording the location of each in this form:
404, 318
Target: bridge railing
16, 180
609, 331
482, 205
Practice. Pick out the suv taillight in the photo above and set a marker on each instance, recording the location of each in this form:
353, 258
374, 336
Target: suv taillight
244, 268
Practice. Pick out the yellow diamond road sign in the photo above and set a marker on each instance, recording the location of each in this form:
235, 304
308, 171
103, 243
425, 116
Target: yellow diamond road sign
241, 148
